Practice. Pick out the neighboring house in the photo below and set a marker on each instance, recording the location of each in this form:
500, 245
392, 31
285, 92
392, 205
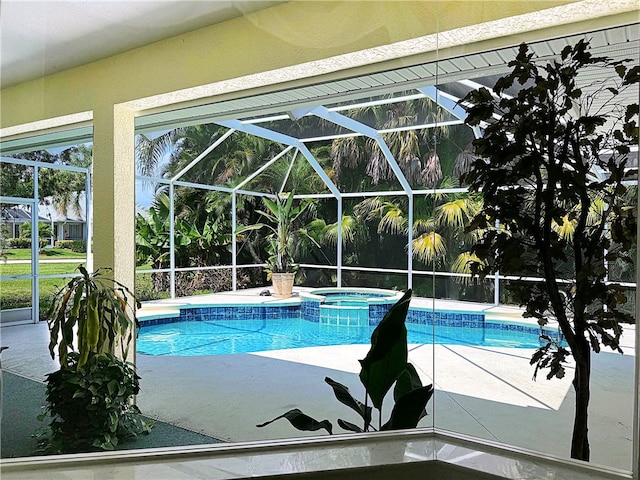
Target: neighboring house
11, 218
69, 225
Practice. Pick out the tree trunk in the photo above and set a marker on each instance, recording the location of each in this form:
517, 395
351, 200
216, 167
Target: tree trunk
580, 439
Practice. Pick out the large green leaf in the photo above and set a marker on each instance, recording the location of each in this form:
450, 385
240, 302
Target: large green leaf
349, 426
387, 358
408, 381
409, 408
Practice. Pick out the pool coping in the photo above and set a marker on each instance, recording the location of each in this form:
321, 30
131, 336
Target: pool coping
309, 306
170, 308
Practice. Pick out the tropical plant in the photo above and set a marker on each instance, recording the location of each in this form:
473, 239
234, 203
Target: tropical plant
90, 408
92, 323
552, 168
439, 240
414, 149
44, 231
282, 215
202, 217
385, 366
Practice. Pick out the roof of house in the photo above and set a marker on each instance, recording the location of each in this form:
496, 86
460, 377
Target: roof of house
48, 211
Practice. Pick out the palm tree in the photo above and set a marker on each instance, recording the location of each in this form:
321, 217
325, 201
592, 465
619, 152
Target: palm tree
415, 150
439, 220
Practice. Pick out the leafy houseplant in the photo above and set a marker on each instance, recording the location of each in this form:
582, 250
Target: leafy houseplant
552, 169
89, 397
385, 365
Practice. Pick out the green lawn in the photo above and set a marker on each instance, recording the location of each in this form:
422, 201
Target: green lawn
17, 293
46, 253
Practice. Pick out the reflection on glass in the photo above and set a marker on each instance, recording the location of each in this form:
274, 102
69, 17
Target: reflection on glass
478, 352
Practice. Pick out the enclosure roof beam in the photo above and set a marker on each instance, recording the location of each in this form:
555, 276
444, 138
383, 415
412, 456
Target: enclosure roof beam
319, 170
202, 155
263, 168
262, 132
259, 131
32, 163
444, 100
355, 126
288, 174
476, 86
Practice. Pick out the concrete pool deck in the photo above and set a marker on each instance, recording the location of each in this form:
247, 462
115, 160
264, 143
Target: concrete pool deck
480, 391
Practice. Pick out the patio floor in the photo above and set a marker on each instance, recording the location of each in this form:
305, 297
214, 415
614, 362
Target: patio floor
480, 391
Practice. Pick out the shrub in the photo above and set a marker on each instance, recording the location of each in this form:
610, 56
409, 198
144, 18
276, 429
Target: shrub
19, 242
24, 242
102, 389
78, 246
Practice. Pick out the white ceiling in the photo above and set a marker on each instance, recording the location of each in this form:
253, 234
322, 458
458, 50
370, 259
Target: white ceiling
41, 37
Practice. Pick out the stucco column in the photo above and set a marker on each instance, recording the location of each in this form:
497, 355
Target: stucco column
114, 192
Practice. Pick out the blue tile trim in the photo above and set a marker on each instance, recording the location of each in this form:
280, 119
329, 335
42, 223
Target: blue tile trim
312, 311
472, 324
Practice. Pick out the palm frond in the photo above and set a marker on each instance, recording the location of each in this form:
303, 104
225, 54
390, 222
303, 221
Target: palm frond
462, 264
429, 247
464, 160
432, 171
454, 213
393, 221
421, 225
567, 228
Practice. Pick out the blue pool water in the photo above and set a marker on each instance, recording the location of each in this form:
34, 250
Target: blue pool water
211, 337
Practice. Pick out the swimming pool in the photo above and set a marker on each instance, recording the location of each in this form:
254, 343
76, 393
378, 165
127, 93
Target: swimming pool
221, 337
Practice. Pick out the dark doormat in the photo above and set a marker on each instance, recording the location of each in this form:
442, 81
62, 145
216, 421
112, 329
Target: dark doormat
22, 401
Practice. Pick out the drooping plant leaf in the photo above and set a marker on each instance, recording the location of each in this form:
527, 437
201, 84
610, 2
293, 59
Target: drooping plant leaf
344, 396
302, 421
385, 364
408, 409
91, 314
349, 426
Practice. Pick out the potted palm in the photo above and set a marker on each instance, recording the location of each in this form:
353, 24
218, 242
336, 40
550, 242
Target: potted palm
281, 214
281, 268
89, 399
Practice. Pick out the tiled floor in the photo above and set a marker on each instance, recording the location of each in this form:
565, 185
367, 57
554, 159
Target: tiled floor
483, 392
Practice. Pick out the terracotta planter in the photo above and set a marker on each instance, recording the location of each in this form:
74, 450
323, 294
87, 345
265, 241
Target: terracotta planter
282, 284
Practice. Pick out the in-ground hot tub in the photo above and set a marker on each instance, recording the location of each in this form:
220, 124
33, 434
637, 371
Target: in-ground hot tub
347, 306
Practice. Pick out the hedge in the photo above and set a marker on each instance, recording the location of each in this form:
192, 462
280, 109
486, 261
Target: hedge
22, 242
78, 246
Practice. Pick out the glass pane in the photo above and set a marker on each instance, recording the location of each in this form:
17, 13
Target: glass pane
16, 180
15, 263
152, 286
486, 389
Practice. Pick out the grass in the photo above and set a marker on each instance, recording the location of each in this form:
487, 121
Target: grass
46, 253
17, 293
